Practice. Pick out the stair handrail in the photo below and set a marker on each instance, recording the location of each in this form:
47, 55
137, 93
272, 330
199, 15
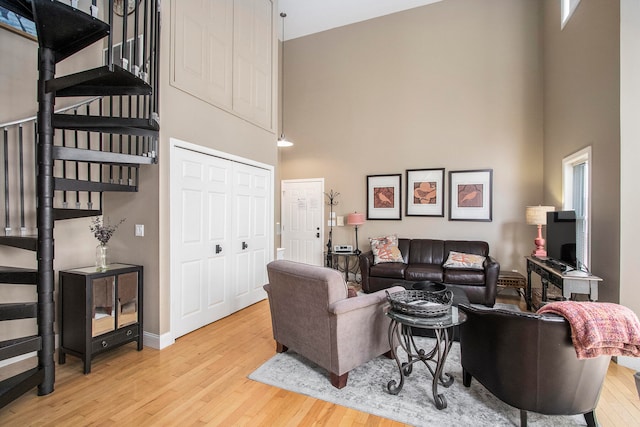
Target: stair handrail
61, 110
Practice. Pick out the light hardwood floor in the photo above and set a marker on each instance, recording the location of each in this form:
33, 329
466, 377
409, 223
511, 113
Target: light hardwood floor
202, 380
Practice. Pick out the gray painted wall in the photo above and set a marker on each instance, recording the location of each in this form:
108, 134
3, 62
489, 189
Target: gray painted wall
582, 108
457, 84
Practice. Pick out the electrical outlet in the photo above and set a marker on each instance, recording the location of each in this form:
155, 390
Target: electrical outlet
139, 230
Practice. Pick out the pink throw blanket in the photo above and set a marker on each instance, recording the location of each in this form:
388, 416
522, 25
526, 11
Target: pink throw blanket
599, 328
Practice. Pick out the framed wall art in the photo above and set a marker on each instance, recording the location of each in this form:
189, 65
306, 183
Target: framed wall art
425, 192
470, 195
384, 196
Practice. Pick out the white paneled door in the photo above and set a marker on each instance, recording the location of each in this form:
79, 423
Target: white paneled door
302, 212
220, 237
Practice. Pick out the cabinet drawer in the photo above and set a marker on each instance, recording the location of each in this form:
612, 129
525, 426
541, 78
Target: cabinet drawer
120, 336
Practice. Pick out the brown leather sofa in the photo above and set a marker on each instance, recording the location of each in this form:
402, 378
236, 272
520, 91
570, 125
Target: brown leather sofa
423, 260
529, 362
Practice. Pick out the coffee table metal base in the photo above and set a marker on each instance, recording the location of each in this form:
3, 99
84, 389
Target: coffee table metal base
436, 356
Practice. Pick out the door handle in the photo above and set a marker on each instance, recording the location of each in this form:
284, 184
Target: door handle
244, 245
218, 249
318, 235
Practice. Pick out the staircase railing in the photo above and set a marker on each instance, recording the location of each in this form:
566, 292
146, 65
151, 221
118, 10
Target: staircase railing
19, 141
19, 138
138, 53
57, 166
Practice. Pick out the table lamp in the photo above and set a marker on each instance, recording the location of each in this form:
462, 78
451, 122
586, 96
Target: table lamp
537, 215
355, 219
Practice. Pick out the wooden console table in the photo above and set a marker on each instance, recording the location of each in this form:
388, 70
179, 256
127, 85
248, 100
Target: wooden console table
566, 283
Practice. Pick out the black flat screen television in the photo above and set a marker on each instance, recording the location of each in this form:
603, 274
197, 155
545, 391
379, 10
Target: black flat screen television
561, 237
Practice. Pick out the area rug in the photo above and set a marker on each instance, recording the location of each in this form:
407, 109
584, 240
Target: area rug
366, 391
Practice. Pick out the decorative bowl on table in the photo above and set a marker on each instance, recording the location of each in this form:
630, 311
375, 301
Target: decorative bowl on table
421, 303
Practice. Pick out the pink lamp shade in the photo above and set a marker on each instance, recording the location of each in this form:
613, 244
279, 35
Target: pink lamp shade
355, 218
537, 215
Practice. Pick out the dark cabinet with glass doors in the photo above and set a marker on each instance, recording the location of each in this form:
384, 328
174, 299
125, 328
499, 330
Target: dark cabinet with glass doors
99, 310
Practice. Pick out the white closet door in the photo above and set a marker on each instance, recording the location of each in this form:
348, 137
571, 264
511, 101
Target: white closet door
252, 192
202, 50
220, 228
252, 56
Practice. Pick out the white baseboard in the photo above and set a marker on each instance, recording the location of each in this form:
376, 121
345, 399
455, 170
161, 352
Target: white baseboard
157, 341
629, 362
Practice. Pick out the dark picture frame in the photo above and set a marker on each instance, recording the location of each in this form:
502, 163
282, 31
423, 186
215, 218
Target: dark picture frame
18, 24
471, 195
425, 192
384, 197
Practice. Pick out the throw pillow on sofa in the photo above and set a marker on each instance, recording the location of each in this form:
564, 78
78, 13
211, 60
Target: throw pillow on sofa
462, 260
385, 249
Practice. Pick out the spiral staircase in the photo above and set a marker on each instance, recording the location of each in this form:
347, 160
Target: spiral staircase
58, 164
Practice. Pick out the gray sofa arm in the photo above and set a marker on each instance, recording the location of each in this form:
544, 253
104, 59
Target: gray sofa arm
361, 301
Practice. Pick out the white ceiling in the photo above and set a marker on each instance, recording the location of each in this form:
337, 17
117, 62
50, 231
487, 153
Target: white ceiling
312, 16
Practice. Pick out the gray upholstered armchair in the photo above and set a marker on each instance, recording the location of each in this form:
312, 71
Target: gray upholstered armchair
312, 315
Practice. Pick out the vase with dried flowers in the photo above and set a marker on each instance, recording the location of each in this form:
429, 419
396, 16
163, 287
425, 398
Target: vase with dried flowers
103, 232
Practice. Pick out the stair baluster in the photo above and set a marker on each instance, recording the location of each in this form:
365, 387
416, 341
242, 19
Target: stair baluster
23, 228
7, 210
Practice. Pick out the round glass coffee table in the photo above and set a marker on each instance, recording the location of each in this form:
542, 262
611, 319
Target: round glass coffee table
400, 331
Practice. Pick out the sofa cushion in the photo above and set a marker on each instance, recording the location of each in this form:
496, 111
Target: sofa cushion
461, 260
464, 276
385, 249
420, 272
467, 246
393, 270
426, 251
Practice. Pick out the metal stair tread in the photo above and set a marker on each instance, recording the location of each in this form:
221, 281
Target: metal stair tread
18, 275
79, 31
99, 81
14, 387
66, 184
104, 157
65, 213
117, 125
18, 310
23, 242
18, 346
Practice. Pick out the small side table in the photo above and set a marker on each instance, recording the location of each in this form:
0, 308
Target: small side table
349, 263
400, 329
512, 280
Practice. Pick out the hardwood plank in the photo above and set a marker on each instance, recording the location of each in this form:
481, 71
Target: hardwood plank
202, 380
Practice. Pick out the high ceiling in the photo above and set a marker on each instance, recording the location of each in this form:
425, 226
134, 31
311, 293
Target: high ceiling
312, 16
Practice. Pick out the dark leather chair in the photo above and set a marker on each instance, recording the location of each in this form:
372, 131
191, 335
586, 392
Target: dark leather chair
528, 361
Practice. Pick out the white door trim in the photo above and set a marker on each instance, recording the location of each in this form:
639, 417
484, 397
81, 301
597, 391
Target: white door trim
173, 238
